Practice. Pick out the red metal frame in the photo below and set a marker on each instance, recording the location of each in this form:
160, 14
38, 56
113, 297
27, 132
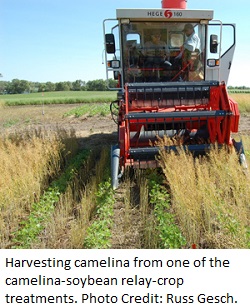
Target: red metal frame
219, 128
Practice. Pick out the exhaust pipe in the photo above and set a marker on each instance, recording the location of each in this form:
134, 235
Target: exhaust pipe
174, 4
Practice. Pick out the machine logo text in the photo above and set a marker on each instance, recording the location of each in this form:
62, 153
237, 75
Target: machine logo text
155, 14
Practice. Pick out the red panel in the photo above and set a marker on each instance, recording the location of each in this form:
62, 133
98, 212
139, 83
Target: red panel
236, 116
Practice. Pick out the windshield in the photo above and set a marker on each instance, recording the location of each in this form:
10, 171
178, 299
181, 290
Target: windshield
163, 51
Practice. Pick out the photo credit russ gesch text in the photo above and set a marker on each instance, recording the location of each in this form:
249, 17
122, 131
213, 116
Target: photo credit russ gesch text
124, 277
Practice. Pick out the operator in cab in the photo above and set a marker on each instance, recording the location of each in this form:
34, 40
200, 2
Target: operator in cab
190, 54
156, 50
192, 42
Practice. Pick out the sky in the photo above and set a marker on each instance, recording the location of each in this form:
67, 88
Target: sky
62, 40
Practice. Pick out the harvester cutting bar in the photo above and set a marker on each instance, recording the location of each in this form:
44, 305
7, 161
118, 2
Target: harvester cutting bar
149, 153
177, 115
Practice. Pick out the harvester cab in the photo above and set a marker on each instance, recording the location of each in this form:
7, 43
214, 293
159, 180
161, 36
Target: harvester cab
171, 66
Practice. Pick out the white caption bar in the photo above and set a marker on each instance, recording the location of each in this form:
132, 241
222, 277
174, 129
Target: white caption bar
126, 277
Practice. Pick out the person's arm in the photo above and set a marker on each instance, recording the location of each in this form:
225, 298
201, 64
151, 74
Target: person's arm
191, 43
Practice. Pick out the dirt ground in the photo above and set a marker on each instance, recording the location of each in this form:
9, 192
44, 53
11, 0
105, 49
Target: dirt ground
51, 117
89, 130
245, 124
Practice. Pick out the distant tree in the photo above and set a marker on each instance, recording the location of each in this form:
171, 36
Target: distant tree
63, 86
41, 87
59, 86
112, 83
50, 86
3, 86
34, 86
68, 84
17, 86
78, 85
96, 85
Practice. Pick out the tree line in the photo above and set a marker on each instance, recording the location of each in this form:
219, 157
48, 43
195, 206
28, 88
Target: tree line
17, 86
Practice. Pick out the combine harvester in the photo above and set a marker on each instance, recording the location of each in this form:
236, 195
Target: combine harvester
172, 66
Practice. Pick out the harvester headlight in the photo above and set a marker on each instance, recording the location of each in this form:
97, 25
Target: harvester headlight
213, 62
115, 63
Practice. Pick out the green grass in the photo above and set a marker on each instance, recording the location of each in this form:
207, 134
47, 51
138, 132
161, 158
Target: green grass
89, 110
42, 210
60, 97
99, 232
169, 234
9, 123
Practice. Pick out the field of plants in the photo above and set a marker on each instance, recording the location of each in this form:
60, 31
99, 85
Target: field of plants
55, 187
59, 97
